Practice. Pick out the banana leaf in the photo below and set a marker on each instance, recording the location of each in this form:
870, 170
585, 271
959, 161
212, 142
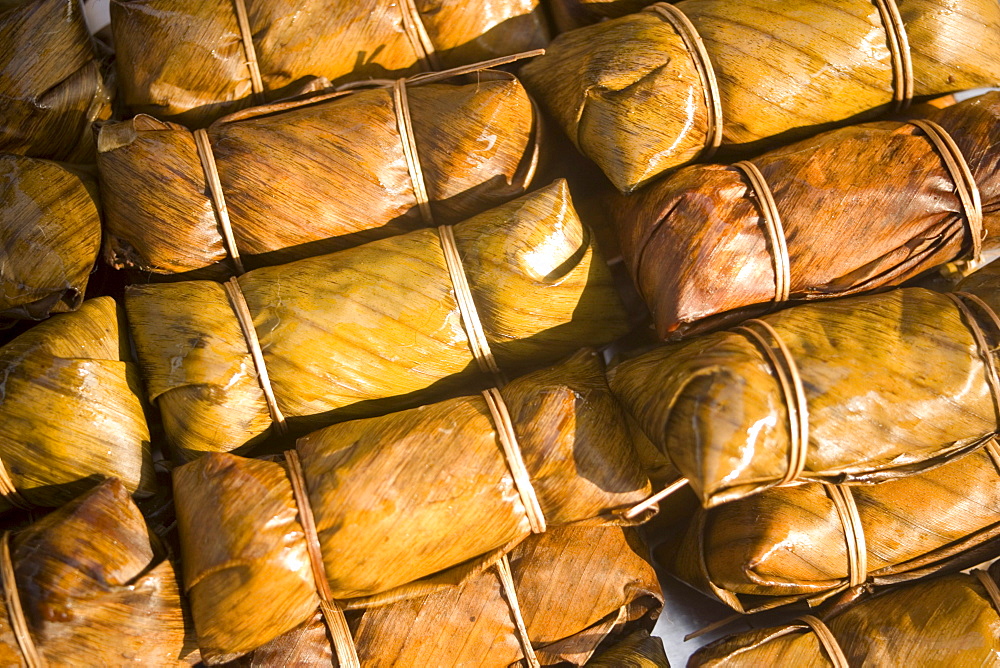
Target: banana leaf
862, 207
893, 384
403, 504
629, 94
948, 621
575, 586
186, 61
374, 328
314, 176
790, 543
50, 234
571, 14
50, 81
70, 409
94, 587
639, 650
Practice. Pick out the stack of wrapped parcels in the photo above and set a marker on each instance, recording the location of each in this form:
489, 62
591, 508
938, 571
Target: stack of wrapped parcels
308, 357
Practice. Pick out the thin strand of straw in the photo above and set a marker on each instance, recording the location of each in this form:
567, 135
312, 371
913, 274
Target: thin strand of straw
416, 32
899, 51
404, 125
218, 198
790, 382
985, 352
515, 461
9, 492
991, 586
333, 614
474, 329
775, 230
245, 318
18, 622
246, 35
699, 54
507, 581
961, 175
827, 640
854, 533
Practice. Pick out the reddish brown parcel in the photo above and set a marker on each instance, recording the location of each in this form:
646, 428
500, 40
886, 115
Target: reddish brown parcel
403, 503
188, 62
309, 177
861, 208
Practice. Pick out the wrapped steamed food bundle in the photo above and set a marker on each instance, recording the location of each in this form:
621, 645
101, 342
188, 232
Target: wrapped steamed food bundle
224, 55
385, 326
572, 14
88, 585
861, 389
574, 588
651, 91
70, 409
948, 621
639, 650
377, 510
50, 235
812, 541
50, 81
295, 179
854, 209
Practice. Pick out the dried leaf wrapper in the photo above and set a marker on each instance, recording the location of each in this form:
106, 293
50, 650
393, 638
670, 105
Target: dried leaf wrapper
403, 504
946, 621
299, 179
50, 234
792, 543
576, 589
371, 329
70, 408
93, 588
859, 208
890, 385
50, 81
637, 98
210, 62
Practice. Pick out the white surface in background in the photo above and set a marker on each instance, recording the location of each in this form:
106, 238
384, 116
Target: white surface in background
97, 13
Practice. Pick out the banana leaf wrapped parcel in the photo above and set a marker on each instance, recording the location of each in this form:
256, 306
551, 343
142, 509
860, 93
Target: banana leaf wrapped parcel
857, 390
50, 235
812, 541
859, 208
651, 91
575, 589
90, 587
383, 509
193, 62
316, 175
639, 650
371, 329
948, 621
572, 14
70, 409
51, 82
